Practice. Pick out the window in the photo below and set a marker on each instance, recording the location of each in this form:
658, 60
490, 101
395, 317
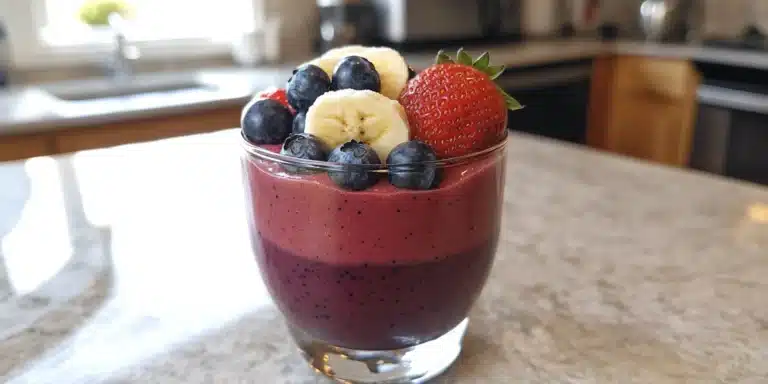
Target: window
48, 33
163, 20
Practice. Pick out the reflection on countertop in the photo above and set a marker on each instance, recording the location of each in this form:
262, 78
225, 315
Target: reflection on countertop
609, 270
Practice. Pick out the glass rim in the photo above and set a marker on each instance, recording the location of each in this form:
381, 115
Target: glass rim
266, 154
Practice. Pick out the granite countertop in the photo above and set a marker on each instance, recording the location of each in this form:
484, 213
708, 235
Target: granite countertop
609, 270
32, 109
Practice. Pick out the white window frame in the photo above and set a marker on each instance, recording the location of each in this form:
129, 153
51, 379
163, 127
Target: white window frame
30, 50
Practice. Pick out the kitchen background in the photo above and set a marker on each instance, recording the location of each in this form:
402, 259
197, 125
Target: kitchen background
295, 26
684, 85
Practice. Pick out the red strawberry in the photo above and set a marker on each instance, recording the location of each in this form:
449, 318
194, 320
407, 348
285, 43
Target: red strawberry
455, 107
277, 94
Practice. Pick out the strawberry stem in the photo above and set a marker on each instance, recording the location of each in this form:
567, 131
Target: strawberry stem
483, 64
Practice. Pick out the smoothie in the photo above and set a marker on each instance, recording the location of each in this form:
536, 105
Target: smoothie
374, 199
383, 268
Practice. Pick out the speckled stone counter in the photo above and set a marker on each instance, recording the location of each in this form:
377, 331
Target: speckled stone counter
609, 270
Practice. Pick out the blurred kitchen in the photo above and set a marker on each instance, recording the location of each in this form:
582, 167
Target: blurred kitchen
676, 82
635, 217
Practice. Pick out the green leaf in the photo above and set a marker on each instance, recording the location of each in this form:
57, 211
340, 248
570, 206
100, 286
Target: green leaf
494, 71
512, 103
443, 58
482, 62
463, 57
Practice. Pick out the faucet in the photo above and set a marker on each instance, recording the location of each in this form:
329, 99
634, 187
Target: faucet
123, 53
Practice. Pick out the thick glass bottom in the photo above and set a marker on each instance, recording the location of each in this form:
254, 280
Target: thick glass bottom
416, 364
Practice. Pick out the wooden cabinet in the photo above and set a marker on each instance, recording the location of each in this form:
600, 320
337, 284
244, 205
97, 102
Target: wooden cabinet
72, 139
643, 107
25, 146
147, 129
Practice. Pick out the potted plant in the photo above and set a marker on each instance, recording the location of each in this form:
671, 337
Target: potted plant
95, 13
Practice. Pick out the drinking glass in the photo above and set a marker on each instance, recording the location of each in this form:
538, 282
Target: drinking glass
375, 285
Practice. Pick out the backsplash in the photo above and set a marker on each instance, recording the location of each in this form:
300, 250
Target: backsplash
721, 18
729, 17
298, 21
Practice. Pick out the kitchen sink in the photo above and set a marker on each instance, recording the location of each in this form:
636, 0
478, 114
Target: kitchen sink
86, 95
128, 88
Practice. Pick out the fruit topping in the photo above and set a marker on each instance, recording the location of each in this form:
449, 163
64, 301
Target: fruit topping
266, 121
303, 146
331, 58
298, 122
355, 72
354, 176
307, 84
364, 116
277, 94
391, 66
411, 166
455, 107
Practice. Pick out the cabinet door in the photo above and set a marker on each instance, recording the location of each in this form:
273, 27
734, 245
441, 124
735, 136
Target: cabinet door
644, 108
651, 130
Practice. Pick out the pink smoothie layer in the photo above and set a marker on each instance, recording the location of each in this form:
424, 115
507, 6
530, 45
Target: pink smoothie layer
309, 216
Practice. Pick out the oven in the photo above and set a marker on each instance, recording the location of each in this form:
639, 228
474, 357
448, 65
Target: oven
731, 134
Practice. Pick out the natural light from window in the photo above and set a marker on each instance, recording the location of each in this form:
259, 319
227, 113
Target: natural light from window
153, 20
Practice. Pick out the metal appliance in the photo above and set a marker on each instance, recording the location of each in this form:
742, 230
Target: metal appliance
666, 20
424, 21
731, 137
345, 22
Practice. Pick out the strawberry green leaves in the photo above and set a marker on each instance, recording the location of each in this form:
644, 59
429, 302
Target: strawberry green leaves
482, 64
463, 57
443, 58
483, 61
512, 103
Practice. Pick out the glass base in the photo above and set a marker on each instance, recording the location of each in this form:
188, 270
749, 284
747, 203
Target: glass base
416, 364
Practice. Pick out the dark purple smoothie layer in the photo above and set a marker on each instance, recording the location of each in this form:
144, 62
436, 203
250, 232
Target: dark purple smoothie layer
374, 307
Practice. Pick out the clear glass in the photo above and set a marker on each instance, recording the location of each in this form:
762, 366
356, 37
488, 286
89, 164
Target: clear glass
375, 285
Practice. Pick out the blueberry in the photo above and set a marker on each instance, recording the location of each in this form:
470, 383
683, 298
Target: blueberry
411, 73
303, 146
406, 168
353, 177
355, 72
266, 121
307, 84
298, 122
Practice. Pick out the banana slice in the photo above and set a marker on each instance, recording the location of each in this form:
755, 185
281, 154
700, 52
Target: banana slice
392, 68
340, 116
